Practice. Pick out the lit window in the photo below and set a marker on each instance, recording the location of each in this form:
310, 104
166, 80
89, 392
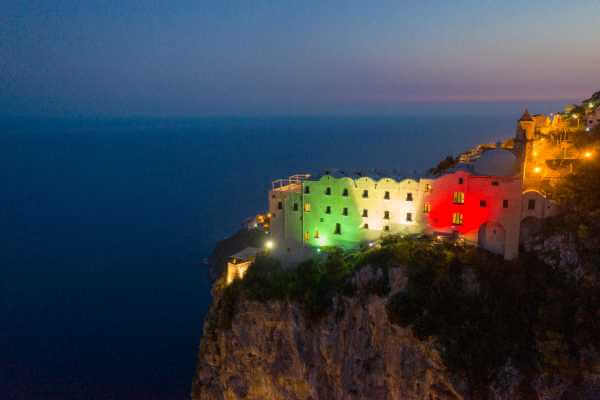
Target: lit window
504, 203
461, 181
345, 211
386, 195
328, 191
409, 217
295, 207
531, 204
427, 207
280, 205
365, 194
409, 197
365, 213
306, 236
458, 198
386, 215
482, 203
306, 207
366, 226
306, 189
328, 210
345, 193
316, 234
386, 228
457, 219
338, 229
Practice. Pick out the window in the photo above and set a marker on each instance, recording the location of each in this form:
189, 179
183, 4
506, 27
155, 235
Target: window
427, 207
295, 207
504, 203
328, 210
328, 191
409, 217
409, 197
461, 181
386, 228
482, 203
365, 213
338, 229
457, 219
386, 195
280, 205
306, 189
306, 207
345, 193
495, 183
365, 194
386, 215
316, 233
458, 198
366, 226
345, 211
306, 236
427, 187
531, 204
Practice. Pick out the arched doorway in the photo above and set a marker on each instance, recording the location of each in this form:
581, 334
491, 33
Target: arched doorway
530, 226
492, 237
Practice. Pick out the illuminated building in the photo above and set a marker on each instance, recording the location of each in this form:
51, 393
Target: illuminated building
238, 264
481, 203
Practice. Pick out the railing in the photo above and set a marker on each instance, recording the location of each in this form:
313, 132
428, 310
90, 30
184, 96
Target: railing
293, 182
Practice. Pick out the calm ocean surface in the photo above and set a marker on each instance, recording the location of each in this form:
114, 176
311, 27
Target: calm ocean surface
104, 225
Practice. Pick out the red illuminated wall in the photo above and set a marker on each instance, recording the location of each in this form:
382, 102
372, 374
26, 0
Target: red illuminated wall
475, 189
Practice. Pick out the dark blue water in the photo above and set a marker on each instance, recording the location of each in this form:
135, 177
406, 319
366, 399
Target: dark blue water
104, 224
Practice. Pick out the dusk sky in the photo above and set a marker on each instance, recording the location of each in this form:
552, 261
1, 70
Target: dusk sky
234, 57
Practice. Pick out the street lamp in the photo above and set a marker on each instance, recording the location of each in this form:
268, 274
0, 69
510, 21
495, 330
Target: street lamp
269, 244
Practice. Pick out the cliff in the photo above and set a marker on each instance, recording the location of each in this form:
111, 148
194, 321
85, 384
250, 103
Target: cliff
389, 327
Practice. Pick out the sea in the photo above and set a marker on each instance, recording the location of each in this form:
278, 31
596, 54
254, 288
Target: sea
105, 224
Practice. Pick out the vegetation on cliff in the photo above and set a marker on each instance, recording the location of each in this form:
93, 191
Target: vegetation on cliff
481, 311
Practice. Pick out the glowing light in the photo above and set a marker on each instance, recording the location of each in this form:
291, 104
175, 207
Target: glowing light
371, 244
537, 170
588, 154
587, 129
269, 244
575, 116
591, 105
318, 250
535, 153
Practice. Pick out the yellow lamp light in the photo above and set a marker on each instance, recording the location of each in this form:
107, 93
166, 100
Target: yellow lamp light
269, 244
537, 170
588, 154
591, 105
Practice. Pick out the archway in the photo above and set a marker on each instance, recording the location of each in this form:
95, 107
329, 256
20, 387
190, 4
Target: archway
530, 226
492, 237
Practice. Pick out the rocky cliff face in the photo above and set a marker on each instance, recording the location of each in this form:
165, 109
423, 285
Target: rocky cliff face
272, 351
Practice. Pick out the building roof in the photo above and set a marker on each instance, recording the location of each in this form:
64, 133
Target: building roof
497, 162
246, 254
375, 174
526, 116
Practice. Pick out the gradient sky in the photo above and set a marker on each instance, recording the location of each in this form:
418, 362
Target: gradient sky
205, 57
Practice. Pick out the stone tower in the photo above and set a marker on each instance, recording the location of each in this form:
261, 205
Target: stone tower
524, 137
527, 125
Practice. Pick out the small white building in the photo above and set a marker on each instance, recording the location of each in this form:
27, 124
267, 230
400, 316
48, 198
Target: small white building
239, 263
